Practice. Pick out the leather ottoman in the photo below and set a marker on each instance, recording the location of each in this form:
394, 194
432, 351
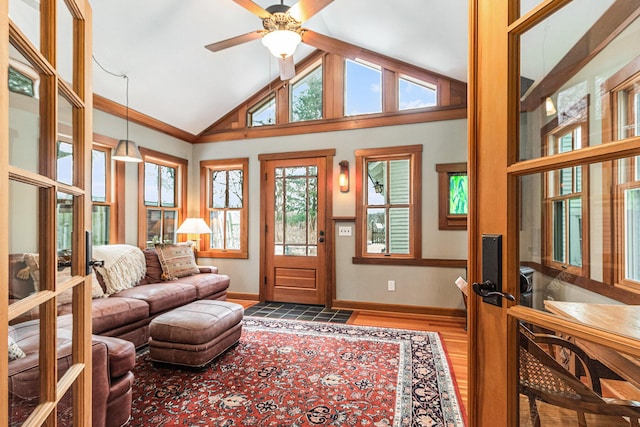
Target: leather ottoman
195, 334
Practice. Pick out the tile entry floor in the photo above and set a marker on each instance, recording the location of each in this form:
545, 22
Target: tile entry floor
282, 310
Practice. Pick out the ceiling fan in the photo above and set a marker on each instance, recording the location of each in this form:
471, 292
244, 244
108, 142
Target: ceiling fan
282, 32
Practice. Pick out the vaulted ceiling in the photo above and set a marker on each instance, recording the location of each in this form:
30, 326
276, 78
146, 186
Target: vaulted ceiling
159, 44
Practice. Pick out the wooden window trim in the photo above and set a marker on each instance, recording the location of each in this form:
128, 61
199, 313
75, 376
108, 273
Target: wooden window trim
414, 153
450, 100
447, 221
115, 188
613, 239
550, 131
181, 197
206, 166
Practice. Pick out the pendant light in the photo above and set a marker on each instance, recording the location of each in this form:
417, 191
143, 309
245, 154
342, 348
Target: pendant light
126, 150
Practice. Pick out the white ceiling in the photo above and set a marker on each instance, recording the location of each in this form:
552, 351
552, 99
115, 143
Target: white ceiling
159, 44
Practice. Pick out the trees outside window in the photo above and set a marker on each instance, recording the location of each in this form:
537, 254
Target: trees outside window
162, 185
306, 96
224, 201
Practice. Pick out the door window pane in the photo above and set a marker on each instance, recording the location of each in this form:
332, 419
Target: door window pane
306, 97
26, 15
64, 170
64, 51
24, 112
23, 230
363, 89
65, 218
295, 211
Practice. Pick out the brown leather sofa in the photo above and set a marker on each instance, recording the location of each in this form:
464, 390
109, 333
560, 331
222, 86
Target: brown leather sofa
119, 323
112, 379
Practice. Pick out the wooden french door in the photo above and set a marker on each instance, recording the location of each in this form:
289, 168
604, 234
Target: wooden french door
295, 194
45, 153
554, 149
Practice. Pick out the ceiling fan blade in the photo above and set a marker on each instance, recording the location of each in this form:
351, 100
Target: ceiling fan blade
253, 8
329, 44
305, 9
234, 41
287, 68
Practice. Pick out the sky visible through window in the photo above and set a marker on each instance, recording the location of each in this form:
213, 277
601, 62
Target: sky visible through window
414, 95
363, 93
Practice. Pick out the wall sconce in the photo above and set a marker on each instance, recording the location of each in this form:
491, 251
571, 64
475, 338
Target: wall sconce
343, 178
549, 106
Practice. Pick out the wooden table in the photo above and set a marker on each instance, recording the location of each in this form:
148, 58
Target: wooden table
619, 319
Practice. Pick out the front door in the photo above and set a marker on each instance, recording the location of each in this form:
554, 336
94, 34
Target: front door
295, 239
554, 167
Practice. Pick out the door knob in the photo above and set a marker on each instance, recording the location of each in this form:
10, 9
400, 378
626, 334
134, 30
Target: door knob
488, 289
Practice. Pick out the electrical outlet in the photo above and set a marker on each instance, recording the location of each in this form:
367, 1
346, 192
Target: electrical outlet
391, 285
344, 230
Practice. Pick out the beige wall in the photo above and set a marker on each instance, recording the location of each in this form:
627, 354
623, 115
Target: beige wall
443, 142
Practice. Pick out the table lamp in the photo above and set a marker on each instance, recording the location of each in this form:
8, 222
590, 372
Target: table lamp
195, 226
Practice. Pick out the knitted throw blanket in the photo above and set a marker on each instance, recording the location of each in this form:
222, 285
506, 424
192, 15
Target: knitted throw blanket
124, 266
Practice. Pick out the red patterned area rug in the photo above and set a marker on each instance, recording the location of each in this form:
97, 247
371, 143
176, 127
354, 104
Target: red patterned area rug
295, 373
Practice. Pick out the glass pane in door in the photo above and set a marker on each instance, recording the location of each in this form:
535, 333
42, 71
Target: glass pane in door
577, 220
65, 158
24, 112
65, 218
24, 259
64, 50
295, 211
565, 64
26, 15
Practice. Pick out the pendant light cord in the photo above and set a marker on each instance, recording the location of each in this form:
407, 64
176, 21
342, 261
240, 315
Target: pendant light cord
127, 89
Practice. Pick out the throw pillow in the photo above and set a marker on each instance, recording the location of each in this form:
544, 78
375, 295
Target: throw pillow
15, 352
177, 260
96, 291
154, 268
33, 264
124, 266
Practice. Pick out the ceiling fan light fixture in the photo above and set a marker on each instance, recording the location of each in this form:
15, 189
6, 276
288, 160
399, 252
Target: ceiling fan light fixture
282, 43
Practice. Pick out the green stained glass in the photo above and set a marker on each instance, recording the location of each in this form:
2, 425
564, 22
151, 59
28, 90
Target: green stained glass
458, 194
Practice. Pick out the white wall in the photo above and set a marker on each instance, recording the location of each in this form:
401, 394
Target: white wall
443, 142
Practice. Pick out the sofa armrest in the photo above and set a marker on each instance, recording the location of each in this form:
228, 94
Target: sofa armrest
122, 354
208, 269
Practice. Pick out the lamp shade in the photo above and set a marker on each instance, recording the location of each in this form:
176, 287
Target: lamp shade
194, 226
281, 43
127, 151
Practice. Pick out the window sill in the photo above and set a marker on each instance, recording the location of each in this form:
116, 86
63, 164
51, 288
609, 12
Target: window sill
220, 254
